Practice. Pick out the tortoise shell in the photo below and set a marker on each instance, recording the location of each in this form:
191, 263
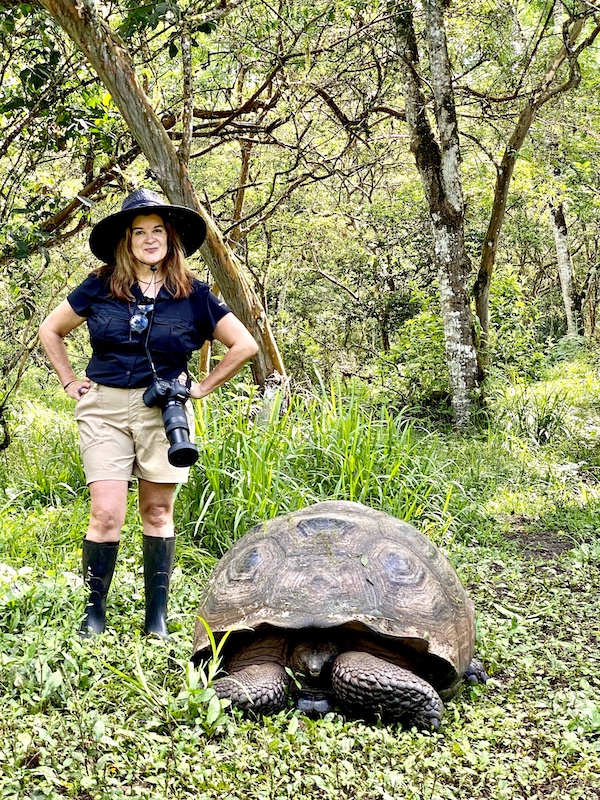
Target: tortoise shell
346, 567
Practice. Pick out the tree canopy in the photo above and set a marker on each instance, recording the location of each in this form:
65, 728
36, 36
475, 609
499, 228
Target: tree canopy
289, 124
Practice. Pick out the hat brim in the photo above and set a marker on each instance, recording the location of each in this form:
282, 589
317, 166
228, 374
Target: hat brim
107, 233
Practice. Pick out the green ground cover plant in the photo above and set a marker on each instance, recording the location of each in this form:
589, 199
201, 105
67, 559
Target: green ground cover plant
514, 504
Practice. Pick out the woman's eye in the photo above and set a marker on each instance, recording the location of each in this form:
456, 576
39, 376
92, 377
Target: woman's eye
155, 232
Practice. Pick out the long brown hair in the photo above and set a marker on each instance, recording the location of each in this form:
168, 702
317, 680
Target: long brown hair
120, 275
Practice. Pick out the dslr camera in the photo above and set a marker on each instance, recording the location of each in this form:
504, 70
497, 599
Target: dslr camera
170, 397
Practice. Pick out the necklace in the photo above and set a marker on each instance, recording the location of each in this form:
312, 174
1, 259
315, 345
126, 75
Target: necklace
154, 283
138, 318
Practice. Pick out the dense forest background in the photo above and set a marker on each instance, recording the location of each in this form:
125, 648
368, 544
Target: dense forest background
291, 123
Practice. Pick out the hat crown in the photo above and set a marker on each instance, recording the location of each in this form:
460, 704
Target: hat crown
142, 198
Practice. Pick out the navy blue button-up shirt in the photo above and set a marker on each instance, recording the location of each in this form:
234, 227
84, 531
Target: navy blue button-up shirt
176, 329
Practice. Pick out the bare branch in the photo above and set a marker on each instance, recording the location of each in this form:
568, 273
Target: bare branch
332, 280
188, 95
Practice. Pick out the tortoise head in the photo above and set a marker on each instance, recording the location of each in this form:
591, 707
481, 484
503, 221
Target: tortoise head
312, 659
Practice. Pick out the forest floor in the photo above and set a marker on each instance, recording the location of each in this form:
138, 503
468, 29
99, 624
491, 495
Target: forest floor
123, 716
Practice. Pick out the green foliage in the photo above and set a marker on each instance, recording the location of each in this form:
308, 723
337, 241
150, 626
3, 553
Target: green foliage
516, 346
334, 227
414, 373
50, 470
326, 445
123, 716
535, 415
341, 287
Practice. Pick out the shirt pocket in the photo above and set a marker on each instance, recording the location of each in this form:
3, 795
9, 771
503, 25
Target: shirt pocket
172, 339
109, 332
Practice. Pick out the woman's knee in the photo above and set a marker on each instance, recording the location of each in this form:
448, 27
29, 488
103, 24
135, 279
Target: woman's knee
157, 513
107, 509
107, 520
156, 504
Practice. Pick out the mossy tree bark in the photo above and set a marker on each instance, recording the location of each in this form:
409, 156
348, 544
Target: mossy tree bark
565, 267
439, 165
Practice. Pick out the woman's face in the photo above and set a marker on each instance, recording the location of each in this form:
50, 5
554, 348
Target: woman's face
149, 239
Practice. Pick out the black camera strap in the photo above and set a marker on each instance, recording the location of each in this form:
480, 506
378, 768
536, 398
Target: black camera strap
146, 347
149, 357
155, 374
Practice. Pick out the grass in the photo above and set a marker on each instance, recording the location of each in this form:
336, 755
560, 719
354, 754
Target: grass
325, 446
122, 716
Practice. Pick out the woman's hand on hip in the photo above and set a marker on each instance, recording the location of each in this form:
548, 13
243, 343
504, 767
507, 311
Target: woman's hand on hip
76, 389
196, 392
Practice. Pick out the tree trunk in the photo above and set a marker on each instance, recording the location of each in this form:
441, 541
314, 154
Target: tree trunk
565, 266
439, 167
108, 55
590, 305
545, 91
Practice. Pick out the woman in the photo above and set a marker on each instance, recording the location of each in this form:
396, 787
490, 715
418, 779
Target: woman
146, 315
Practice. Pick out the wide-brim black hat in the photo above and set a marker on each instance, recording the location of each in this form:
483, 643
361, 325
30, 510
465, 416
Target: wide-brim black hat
107, 233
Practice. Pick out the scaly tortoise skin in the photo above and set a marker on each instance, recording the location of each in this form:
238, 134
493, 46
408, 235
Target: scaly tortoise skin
364, 611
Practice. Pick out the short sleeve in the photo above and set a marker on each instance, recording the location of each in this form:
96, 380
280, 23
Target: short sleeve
217, 309
208, 310
82, 297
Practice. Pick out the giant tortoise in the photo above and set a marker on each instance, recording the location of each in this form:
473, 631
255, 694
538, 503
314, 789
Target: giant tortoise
339, 605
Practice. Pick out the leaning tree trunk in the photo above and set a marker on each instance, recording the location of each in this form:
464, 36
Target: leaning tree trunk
108, 55
565, 266
440, 171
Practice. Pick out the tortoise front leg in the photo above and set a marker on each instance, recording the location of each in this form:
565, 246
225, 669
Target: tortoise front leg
259, 687
476, 672
370, 685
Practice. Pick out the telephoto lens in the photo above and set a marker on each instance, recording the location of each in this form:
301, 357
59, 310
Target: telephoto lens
170, 397
182, 452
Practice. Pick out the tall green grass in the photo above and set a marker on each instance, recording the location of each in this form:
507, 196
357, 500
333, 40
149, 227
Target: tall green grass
330, 443
42, 466
326, 446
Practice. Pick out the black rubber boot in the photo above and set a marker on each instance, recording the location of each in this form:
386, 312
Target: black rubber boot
159, 554
99, 559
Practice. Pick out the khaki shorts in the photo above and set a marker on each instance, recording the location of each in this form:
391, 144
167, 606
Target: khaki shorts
120, 437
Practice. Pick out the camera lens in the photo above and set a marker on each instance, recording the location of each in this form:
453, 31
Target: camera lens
182, 452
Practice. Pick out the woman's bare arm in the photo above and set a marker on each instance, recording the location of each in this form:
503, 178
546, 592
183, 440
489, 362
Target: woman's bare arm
52, 332
242, 346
